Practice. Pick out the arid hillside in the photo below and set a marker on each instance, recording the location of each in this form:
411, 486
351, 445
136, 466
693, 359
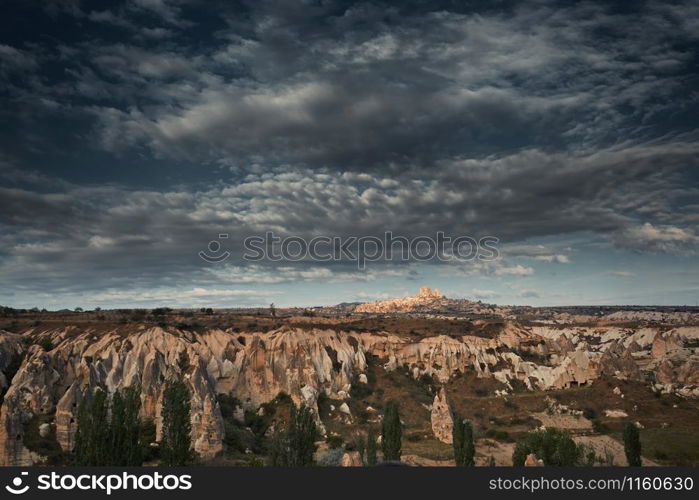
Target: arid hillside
243, 368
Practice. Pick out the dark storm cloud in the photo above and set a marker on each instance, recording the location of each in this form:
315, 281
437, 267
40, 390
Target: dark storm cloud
359, 92
326, 118
371, 87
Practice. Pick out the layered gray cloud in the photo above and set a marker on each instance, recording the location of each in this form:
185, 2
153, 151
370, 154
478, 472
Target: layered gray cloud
94, 231
405, 94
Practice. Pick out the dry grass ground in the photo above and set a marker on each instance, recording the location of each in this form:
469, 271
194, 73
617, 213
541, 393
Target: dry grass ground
570, 423
604, 445
501, 453
670, 446
410, 327
430, 449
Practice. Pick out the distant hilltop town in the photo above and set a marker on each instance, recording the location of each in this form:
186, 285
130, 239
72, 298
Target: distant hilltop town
426, 296
427, 293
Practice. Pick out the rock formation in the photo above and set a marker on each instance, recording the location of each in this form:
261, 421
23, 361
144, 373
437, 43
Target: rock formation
255, 367
351, 459
675, 366
442, 418
252, 367
532, 461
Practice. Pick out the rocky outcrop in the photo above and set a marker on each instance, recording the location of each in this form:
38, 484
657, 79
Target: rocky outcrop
675, 365
442, 418
252, 367
11, 347
665, 344
425, 300
255, 367
615, 414
351, 459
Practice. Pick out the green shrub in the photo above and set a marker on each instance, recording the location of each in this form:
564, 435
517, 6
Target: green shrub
600, 427
589, 413
552, 446
331, 458
498, 434
295, 445
510, 404
428, 382
334, 441
518, 385
46, 447
45, 343
414, 437
361, 391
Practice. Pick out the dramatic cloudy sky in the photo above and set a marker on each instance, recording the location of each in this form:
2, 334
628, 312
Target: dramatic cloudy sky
132, 134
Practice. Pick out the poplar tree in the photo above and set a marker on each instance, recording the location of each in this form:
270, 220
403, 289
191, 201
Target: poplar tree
92, 433
632, 444
302, 436
108, 434
391, 432
295, 445
371, 459
124, 428
469, 445
117, 430
176, 440
462, 439
360, 444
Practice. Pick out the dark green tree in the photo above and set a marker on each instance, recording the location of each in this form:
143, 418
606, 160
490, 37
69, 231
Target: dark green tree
469, 445
295, 445
117, 430
105, 437
552, 446
457, 440
303, 434
279, 449
92, 433
462, 441
632, 445
147, 436
360, 444
176, 439
371, 448
124, 428
391, 432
